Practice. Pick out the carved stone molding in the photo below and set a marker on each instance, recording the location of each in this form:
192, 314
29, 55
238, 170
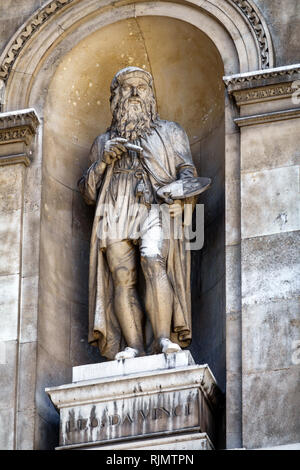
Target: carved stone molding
268, 117
262, 77
47, 12
27, 31
16, 134
252, 15
17, 129
267, 93
15, 159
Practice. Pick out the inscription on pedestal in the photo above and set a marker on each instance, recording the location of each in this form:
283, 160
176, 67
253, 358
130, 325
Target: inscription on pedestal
131, 417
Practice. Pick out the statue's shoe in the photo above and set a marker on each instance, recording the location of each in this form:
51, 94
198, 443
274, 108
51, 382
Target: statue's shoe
167, 347
128, 353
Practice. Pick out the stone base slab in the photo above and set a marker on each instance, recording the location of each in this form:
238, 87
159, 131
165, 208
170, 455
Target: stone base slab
165, 400
191, 441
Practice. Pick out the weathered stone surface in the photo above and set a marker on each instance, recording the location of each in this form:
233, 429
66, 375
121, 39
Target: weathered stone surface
30, 243
208, 345
233, 278
10, 231
25, 429
57, 374
8, 376
9, 287
233, 343
233, 212
54, 332
82, 217
152, 403
282, 447
270, 268
270, 201
269, 334
211, 151
192, 441
12, 17
132, 366
7, 429
29, 307
270, 408
271, 145
81, 352
212, 254
272, 9
232, 160
46, 434
27, 376
233, 411
11, 183
57, 203
214, 199
57, 263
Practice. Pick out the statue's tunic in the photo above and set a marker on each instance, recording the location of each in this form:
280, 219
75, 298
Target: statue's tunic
166, 158
129, 185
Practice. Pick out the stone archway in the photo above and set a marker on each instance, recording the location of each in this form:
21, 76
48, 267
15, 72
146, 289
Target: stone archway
31, 59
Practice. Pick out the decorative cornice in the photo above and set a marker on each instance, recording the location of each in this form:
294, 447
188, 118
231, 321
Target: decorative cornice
267, 93
27, 31
286, 73
15, 159
251, 13
268, 117
18, 126
16, 134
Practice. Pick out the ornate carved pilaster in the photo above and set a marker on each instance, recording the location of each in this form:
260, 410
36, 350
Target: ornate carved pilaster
265, 96
17, 130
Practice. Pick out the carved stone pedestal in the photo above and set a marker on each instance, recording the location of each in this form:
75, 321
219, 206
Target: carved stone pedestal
153, 402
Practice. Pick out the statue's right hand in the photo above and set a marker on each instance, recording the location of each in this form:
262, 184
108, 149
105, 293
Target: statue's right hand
113, 149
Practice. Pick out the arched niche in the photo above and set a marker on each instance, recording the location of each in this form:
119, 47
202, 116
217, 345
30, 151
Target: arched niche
187, 71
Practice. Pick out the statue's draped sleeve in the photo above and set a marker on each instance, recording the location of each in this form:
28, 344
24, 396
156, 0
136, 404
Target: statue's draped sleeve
184, 164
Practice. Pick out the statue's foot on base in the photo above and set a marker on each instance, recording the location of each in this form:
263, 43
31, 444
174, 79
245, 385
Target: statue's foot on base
167, 347
128, 353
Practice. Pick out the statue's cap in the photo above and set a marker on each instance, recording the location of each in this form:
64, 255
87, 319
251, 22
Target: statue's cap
130, 72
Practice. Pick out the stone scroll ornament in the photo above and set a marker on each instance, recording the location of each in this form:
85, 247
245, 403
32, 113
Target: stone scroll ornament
26, 33
258, 28
141, 170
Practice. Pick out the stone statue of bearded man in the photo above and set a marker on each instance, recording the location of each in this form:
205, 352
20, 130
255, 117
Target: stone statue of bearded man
139, 281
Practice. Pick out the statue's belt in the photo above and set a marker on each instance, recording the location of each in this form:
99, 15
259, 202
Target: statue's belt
143, 191
130, 170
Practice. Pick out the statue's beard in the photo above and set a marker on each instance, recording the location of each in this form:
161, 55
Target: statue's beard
132, 118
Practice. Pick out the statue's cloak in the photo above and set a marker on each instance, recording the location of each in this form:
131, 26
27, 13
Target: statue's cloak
166, 157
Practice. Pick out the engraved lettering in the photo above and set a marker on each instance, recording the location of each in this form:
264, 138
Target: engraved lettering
81, 424
177, 410
114, 420
94, 422
143, 414
165, 411
68, 426
188, 409
128, 418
